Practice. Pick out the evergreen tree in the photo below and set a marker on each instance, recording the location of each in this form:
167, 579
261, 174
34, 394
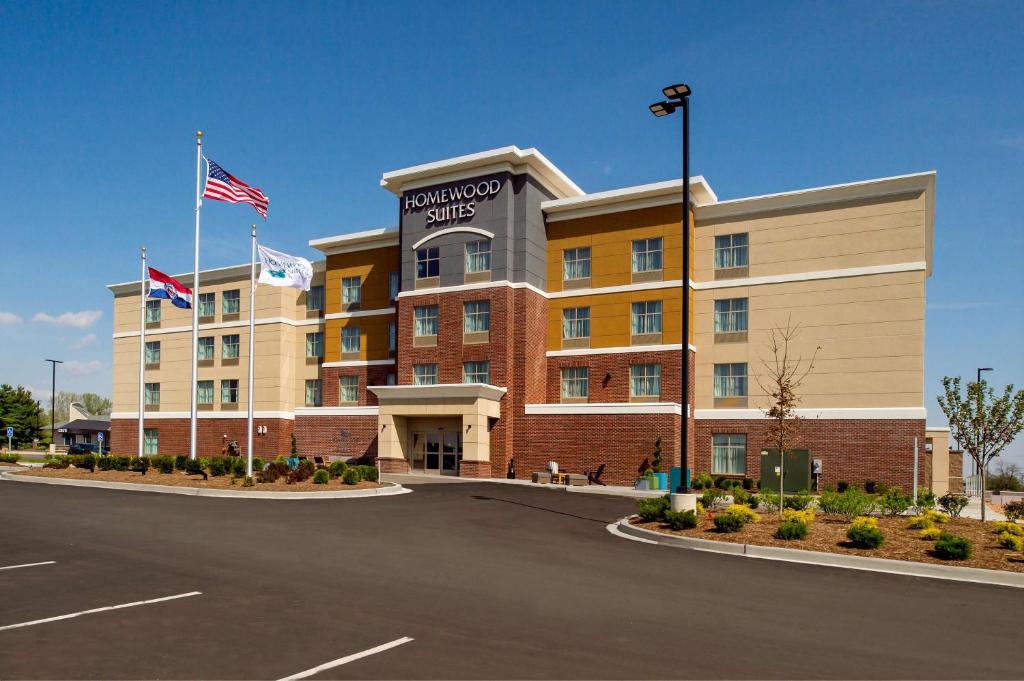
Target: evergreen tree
19, 410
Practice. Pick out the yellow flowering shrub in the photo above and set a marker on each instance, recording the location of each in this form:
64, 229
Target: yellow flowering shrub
935, 516
920, 522
748, 514
930, 533
1011, 541
806, 516
1008, 527
865, 520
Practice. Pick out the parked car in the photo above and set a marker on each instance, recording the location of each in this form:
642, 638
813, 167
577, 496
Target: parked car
83, 448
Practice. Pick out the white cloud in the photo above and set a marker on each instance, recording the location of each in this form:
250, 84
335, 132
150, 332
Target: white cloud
9, 318
88, 339
79, 320
82, 368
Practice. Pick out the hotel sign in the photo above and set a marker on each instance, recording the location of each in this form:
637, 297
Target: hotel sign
451, 203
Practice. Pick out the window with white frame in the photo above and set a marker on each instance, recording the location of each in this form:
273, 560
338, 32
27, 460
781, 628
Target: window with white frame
348, 389
476, 372
478, 256
729, 454
731, 380
425, 320
647, 255
477, 315
576, 263
152, 392
229, 346
229, 391
152, 352
646, 317
349, 339
232, 301
351, 290
576, 322
152, 311
151, 441
315, 298
394, 285
204, 350
312, 392
204, 392
575, 382
731, 251
424, 374
428, 263
645, 380
207, 304
730, 315
315, 344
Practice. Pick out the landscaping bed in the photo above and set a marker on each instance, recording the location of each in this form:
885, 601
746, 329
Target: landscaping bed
829, 534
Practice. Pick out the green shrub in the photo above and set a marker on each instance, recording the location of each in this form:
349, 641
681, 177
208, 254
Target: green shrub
321, 477
739, 496
1011, 541
894, 501
953, 504
805, 516
791, 529
337, 468
842, 486
930, 533
247, 481
258, 464
753, 501
925, 500
728, 522
1014, 510
139, 465
217, 467
952, 547
87, 461
238, 465
350, 477
105, 463
769, 500
799, 501
649, 510
57, 463
865, 536
180, 461
849, 504
920, 522
710, 497
747, 514
195, 467
9, 458
748, 484
370, 473
121, 463
164, 464
1008, 527
701, 481
307, 466
681, 520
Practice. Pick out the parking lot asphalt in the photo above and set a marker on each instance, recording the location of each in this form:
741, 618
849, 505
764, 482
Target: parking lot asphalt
488, 580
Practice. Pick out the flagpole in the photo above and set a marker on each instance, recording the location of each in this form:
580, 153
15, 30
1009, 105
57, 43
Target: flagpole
142, 353
252, 346
195, 299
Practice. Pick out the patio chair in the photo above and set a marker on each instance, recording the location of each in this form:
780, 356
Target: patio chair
320, 462
594, 477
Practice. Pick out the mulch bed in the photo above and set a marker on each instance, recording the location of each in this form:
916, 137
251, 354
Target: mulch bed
828, 533
179, 479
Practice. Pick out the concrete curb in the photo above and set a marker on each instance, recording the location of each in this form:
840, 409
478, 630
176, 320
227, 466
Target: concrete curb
391, 489
888, 565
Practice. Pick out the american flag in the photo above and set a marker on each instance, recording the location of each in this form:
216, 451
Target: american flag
222, 186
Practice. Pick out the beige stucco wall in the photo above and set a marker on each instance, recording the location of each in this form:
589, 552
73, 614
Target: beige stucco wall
939, 440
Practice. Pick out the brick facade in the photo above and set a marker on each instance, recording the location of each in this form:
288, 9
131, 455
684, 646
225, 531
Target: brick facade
330, 386
173, 436
347, 437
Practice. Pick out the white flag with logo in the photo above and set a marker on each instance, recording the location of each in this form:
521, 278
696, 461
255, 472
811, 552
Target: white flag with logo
281, 269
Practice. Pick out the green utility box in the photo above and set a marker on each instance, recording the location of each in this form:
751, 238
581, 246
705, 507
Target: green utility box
797, 470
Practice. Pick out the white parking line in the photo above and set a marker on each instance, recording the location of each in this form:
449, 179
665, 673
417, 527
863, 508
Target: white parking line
95, 610
348, 658
15, 567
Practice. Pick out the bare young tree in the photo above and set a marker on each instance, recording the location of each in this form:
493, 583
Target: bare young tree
983, 423
783, 375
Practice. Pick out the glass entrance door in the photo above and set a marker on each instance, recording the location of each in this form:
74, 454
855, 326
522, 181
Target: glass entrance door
438, 452
451, 452
432, 458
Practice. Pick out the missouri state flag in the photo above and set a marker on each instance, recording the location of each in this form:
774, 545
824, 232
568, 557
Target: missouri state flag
162, 286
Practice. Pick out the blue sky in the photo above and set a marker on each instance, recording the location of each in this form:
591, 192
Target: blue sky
312, 102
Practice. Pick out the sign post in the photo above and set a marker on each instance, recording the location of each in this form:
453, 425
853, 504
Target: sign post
10, 434
99, 436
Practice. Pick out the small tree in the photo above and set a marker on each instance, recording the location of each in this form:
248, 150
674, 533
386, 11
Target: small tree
656, 458
983, 423
19, 411
781, 380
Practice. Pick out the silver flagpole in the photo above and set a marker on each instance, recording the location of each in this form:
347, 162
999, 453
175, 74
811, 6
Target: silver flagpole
195, 298
252, 345
142, 354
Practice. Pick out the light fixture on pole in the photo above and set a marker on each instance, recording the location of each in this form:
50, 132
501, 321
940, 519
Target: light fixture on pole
677, 97
53, 403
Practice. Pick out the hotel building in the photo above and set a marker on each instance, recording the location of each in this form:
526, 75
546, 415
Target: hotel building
510, 318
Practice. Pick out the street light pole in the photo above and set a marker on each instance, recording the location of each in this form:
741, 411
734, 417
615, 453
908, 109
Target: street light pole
977, 445
53, 402
677, 97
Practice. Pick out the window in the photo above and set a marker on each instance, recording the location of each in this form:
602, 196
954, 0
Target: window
575, 263
351, 290
152, 311
647, 255
204, 392
152, 394
350, 339
576, 322
392, 379
730, 251
646, 317
315, 298
476, 372
312, 392
478, 256
315, 344
232, 302
150, 441
731, 380
392, 338
229, 391
348, 389
477, 316
207, 304
424, 374
229, 346
394, 285
730, 315
428, 263
152, 352
729, 454
575, 382
205, 348
645, 380
425, 320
